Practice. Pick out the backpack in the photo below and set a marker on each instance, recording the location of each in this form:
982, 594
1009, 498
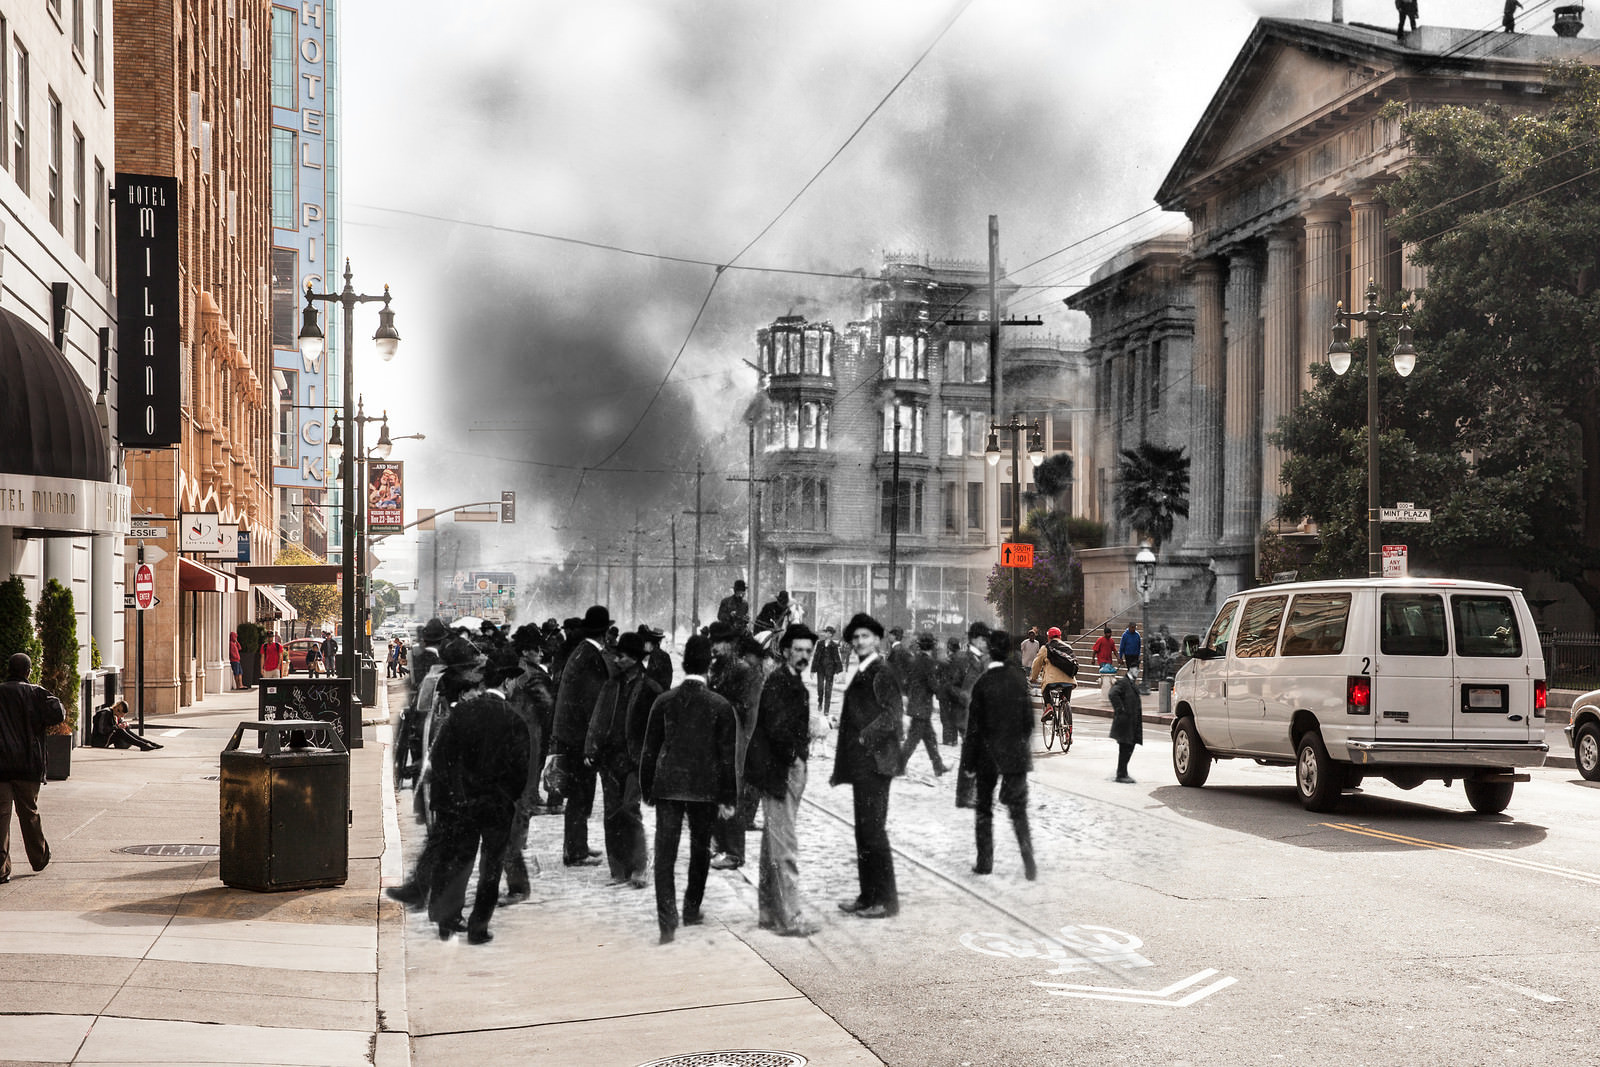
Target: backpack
1059, 653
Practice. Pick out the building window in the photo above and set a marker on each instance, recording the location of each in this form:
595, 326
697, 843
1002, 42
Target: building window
797, 424
100, 198
905, 356
799, 503
194, 120
955, 433
1155, 376
285, 71
910, 510
57, 214
77, 26
55, 7
19, 113
977, 430
100, 43
80, 240
966, 361
288, 423
285, 298
283, 148
911, 419
950, 505
205, 148
1061, 430
1130, 386
974, 505
819, 352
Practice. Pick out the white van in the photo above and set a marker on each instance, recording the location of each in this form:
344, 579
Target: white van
1408, 679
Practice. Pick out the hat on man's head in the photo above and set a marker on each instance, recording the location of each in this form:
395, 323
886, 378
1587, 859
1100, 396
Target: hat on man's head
978, 629
827, 629
459, 652
797, 631
1054, 631
434, 631
650, 633
572, 623
631, 644
720, 631
527, 637
999, 645
739, 586
504, 664
597, 620
897, 631
862, 621
926, 642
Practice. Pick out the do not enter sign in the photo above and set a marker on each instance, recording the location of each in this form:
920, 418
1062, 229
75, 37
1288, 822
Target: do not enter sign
144, 587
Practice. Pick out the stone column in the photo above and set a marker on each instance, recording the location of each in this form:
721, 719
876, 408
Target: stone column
1367, 243
1280, 358
1413, 276
1242, 411
1321, 270
1209, 385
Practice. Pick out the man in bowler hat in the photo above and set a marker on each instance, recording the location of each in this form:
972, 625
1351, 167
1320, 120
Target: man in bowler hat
867, 758
827, 665
999, 750
587, 668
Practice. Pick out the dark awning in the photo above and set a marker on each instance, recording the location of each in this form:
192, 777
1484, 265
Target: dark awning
196, 577
48, 424
292, 574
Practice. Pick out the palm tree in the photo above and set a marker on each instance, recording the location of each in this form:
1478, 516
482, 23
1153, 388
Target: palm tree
1153, 489
1054, 478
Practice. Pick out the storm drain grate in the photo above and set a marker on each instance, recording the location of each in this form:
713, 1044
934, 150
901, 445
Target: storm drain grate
732, 1058
173, 851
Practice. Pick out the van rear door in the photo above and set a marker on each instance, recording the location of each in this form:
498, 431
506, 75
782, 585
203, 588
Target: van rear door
1494, 688
1413, 686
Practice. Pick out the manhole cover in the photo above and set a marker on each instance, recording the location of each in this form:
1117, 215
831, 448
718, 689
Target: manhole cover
732, 1058
176, 851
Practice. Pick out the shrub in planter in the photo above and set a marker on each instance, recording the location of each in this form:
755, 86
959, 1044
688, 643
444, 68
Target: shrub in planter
58, 640
16, 624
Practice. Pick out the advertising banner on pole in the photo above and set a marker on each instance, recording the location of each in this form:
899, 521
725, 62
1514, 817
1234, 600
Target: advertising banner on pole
386, 496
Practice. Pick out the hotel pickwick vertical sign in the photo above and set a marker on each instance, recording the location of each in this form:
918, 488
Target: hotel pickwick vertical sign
148, 373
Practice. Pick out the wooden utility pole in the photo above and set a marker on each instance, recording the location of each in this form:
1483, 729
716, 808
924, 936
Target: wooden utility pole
673, 525
633, 595
894, 515
694, 586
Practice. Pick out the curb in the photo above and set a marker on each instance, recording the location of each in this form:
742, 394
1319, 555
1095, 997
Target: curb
393, 1034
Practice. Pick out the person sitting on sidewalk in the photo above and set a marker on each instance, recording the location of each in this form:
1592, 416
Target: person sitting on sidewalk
111, 730
1056, 667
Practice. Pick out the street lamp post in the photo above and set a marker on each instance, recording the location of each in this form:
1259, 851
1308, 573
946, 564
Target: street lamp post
386, 340
1035, 456
1144, 566
1405, 361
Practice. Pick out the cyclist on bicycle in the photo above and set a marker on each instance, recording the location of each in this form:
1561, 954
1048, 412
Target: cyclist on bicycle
1056, 666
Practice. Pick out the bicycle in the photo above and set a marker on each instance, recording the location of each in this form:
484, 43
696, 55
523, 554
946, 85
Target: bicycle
1056, 725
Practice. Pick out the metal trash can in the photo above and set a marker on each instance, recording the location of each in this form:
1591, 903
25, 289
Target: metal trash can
285, 808
369, 682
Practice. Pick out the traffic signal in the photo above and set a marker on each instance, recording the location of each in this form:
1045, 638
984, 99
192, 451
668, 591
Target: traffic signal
508, 506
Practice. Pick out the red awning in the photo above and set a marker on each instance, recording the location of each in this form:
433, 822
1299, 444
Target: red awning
198, 578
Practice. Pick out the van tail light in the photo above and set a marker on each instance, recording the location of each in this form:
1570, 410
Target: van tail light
1541, 697
1358, 695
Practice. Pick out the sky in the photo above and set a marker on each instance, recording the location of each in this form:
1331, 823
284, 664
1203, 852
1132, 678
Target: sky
684, 128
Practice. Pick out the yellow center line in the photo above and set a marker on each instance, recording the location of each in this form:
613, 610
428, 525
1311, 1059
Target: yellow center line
1509, 861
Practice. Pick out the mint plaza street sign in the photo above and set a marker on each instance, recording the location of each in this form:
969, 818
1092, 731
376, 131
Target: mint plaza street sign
1405, 511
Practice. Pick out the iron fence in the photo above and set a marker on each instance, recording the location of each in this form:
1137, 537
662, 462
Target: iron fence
1571, 659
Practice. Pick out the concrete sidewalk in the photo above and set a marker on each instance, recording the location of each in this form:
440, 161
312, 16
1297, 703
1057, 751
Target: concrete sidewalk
110, 956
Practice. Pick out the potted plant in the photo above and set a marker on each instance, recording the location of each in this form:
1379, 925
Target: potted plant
57, 625
250, 636
16, 624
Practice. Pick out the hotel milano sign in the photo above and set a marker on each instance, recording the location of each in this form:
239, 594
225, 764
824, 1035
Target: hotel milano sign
149, 379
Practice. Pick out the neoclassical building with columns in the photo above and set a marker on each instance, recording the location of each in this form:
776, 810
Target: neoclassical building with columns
1282, 184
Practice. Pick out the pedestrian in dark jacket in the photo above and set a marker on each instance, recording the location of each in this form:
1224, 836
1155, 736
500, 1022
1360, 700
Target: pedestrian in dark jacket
686, 770
587, 668
1127, 723
408, 743
999, 749
775, 766
608, 751
867, 757
737, 678
657, 664
920, 681
26, 712
826, 666
479, 765
531, 695
965, 668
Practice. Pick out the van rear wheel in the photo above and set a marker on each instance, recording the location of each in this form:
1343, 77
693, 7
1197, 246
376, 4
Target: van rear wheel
1488, 798
1318, 779
1191, 761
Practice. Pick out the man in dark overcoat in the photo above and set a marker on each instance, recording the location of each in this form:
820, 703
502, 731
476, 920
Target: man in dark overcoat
920, 681
737, 678
531, 694
657, 664
607, 750
775, 767
734, 609
1127, 722
408, 742
867, 758
686, 770
827, 666
587, 668
965, 668
26, 712
479, 765
999, 749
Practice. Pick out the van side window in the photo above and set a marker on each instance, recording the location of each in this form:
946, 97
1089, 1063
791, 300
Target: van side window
1413, 625
1485, 626
1316, 625
1258, 627
1221, 631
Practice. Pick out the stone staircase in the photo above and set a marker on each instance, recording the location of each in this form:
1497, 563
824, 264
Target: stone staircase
1185, 608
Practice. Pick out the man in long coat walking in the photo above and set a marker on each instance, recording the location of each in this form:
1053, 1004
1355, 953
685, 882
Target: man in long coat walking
965, 668
607, 749
826, 666
686, 771
920, 681
587, 668
26, 712
866, 760
1127, 723
999, 749
736, 678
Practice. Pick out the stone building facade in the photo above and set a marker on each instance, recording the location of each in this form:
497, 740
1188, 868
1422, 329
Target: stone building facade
1282, 183
193, 103
826, 455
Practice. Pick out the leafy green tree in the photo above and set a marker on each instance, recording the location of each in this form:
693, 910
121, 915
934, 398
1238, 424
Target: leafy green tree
1492, 429
1054, 479
16, 624
386, 600
58, 640
1153, 490
1050, 593
316, 604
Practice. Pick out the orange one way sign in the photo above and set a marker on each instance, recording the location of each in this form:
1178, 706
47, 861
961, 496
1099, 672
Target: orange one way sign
1016, 554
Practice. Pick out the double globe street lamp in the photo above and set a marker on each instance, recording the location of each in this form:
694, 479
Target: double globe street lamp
312, 344
1405, 361
991, 455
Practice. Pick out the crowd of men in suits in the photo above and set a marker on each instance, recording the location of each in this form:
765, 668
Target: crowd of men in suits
502, 727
